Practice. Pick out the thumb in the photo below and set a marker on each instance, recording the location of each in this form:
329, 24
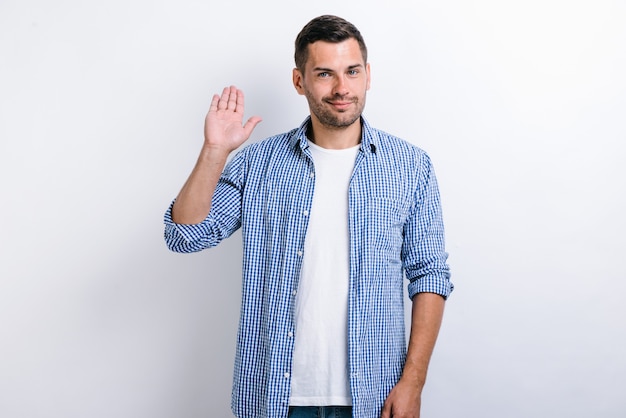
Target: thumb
250, 124
386, 412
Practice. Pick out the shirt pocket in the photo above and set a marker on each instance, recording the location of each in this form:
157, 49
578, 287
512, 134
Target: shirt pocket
387, 217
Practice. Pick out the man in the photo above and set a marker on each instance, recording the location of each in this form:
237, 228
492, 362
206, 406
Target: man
334, 214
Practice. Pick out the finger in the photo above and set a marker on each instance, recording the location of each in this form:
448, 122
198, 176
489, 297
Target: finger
223, 102
232, 98
251, 124
239, 105
214, 101
386, 412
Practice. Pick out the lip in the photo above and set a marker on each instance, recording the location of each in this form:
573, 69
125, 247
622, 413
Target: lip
340, 105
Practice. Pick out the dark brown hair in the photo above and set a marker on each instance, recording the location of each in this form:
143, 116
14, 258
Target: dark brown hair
326, 28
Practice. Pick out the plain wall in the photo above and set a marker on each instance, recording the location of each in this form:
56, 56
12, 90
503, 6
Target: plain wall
521, 105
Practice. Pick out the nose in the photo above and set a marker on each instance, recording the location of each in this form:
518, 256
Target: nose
341, 87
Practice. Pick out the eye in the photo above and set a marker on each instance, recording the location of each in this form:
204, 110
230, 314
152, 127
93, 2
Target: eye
323, 74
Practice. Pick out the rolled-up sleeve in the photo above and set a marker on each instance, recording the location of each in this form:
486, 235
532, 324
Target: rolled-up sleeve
423, 250
221, 222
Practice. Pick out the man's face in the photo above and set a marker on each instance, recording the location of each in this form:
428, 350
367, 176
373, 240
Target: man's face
334, 82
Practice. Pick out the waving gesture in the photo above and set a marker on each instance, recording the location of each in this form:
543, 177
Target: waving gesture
223, 128
224, 131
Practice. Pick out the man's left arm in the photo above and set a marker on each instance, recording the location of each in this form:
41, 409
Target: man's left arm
424, 259
404, 400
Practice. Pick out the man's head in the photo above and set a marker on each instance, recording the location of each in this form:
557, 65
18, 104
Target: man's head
332, 72
326, 28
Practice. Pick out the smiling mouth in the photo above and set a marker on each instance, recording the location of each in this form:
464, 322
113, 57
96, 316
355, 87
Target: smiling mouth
340, 105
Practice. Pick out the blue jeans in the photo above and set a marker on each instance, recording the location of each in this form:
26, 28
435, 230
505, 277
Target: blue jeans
320, 412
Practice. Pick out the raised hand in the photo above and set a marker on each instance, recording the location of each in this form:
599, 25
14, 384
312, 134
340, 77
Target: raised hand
223, 126
223, 133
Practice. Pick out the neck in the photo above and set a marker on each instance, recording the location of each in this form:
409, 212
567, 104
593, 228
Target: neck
334, 138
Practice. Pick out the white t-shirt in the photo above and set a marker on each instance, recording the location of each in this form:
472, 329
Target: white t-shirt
320, 358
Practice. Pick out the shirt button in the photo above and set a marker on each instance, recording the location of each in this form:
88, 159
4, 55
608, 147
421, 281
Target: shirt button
306, 213
312, 174
286, 375
299, 253
290, 334
294, 292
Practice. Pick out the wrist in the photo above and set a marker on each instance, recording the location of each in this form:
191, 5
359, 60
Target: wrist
413, 376
214, 153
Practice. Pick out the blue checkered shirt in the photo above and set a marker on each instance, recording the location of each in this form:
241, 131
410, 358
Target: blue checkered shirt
396, 231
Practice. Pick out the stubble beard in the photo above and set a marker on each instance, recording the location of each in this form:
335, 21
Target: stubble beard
335, 119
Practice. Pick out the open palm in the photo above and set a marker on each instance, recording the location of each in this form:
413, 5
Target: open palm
223, 126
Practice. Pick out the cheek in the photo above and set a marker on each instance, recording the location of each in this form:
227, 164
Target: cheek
367, 83
314, 92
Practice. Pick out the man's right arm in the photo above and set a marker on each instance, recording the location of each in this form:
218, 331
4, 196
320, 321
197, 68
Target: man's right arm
224, 132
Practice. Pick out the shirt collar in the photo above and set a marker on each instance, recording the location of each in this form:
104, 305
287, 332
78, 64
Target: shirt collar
369, 143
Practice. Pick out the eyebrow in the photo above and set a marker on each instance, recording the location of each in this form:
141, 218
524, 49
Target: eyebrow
328, 70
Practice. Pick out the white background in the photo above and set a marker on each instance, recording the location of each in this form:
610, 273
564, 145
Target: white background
521, 105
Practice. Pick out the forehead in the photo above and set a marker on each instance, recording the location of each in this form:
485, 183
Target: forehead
332, 55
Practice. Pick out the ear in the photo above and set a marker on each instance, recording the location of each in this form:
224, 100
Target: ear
298, 78
367, 70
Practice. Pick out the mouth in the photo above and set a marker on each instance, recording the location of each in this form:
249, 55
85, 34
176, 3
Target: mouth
340, 105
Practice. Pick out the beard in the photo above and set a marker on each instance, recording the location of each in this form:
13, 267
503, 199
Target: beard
332, 118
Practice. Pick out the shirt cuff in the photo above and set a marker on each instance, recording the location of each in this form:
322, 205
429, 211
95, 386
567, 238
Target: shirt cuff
440, 285
188, 232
